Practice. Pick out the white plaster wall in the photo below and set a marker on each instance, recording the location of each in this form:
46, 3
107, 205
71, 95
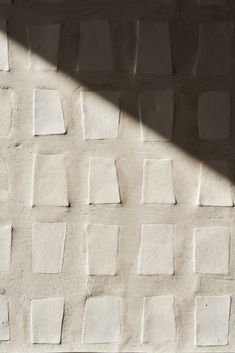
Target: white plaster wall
116, 212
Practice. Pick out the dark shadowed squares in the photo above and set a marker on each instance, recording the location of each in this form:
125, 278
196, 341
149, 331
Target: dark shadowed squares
214, 115
154, 48
213, 56
43, 43
95, 51
157, 115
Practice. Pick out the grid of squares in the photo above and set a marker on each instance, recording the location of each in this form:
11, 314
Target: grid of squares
154, 260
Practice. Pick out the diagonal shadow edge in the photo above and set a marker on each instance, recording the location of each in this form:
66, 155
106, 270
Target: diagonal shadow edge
185, 139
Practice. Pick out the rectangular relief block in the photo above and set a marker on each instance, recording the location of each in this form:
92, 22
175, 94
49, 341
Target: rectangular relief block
158, 181
157, 115
102, 249
5, 247
214, 184
4, 56
156, 256
107, 329
48, 118
212, 320
95, 48
100, 115
48, 247
212, 249
43, 41
4, 319
159, 324
103, 181
213, 55
49, 180
214, 115
154, 48
46, 320
6, 111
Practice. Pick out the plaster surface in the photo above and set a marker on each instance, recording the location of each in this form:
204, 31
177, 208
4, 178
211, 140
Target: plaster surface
117, 156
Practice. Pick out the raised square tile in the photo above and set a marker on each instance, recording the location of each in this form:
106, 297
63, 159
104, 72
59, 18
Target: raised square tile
46, 320
212, 320
103, 181
4, 319
48, 116
154, 48
4, 60
214, 184
48, 247
158, 182
43, 43
6, 111
157, 115
106, 330
49, 181
211, 249
214, 115
213, 55
100, 115
5, 247
102, 248
95, 49
156, 254
159, 324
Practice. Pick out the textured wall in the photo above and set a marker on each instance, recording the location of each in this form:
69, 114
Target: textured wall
116, 176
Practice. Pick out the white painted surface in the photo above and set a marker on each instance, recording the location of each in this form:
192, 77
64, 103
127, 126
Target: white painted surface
212, 249
159, 320
102, 249
48, 115
5, 247
46, 320
156, 255
214, 187
173, 45
103, 181
4, 61
100, 115
48, 247
212, 320
4, 319
157, 184
109, 328
49, 181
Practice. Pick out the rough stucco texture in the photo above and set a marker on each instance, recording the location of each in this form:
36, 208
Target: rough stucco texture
117, 176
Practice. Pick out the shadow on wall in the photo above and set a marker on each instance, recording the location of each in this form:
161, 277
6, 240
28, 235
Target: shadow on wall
174, 58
